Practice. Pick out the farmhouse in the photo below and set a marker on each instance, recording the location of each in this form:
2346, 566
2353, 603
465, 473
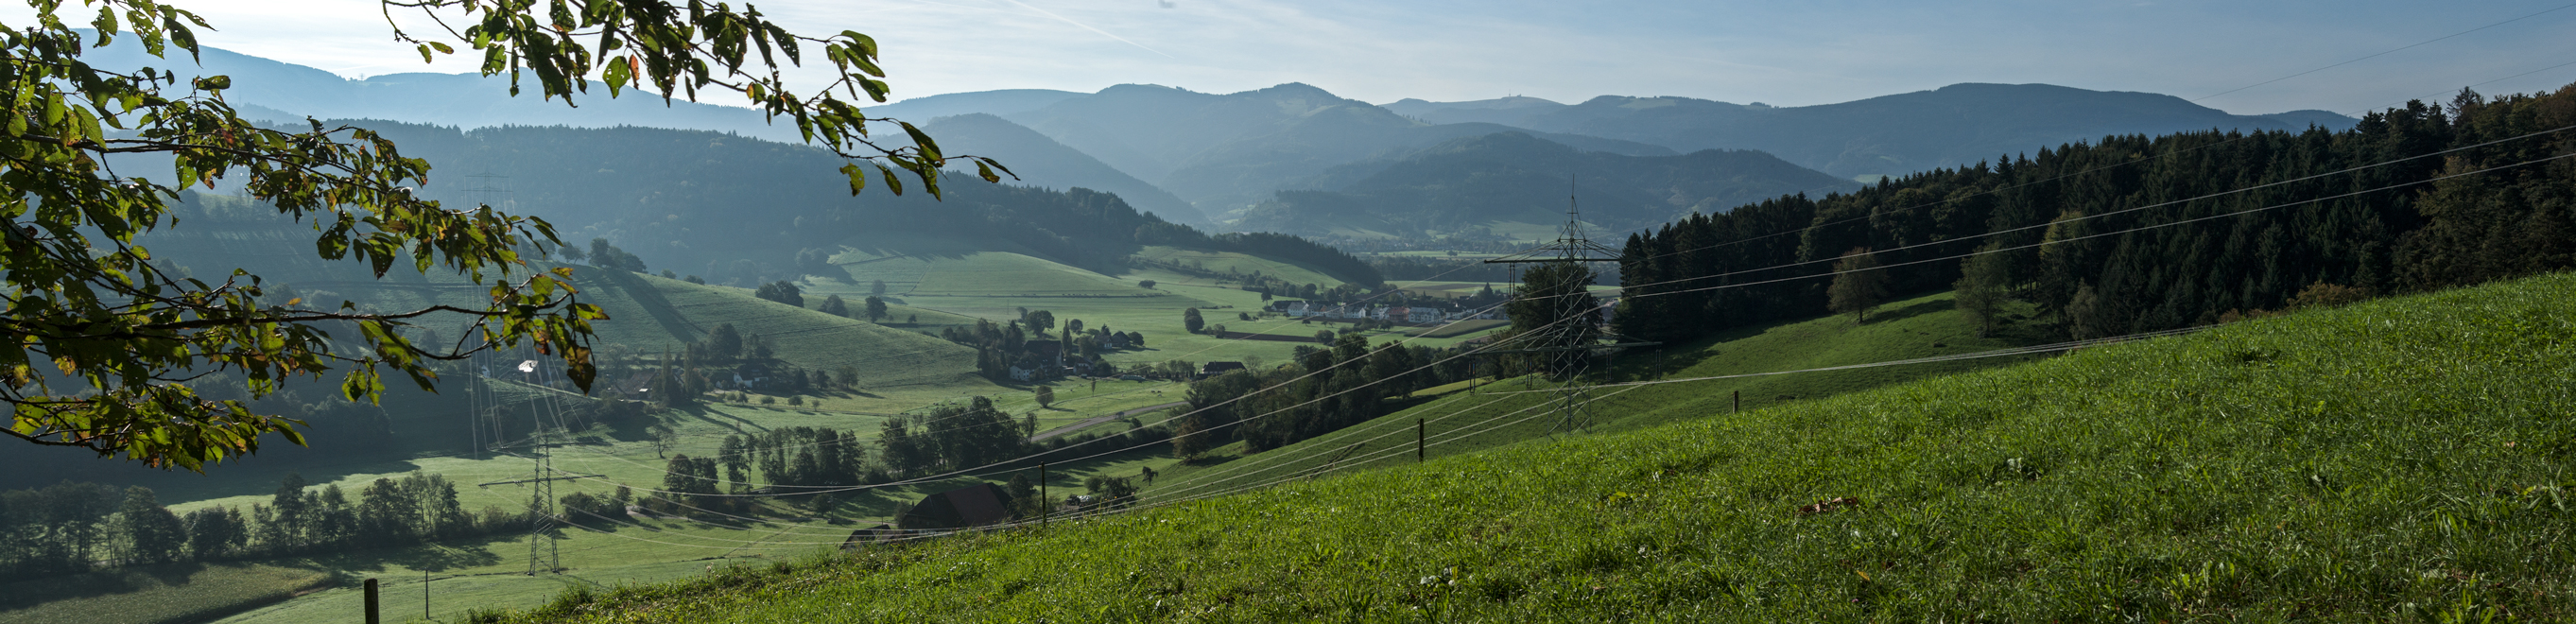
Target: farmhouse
1213, 369
749, 376
974, 505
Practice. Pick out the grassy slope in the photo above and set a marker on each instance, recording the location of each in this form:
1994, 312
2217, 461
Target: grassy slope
1517, 410
2399, 459
1236, 262
902, 367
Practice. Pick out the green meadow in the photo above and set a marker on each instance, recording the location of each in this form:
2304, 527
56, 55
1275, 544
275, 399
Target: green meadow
2400, 459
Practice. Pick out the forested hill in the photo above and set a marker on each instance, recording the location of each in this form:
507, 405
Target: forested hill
1466, 183
1041, 161
2116, 237
1225, 151
731, 208
1886, 135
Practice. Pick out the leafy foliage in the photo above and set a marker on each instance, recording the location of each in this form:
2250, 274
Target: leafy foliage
90, 302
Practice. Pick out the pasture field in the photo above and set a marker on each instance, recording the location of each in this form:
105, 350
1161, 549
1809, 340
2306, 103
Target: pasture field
2389, 460
1240, 263
969, 274
489, 572
1914, 328
900, 366
176, 593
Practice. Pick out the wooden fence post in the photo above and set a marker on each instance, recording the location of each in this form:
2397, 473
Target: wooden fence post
1417, 440
371, 601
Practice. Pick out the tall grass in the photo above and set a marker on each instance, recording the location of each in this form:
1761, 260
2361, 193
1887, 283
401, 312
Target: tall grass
2398, 460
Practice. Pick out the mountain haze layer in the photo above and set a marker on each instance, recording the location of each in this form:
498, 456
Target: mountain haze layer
1224, 152
1469, 184
1888, 135
1041, 161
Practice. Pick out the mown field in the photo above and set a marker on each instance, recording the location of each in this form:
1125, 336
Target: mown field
2399, 460
177, 593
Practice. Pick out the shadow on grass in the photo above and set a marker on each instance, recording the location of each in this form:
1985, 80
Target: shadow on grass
25, 593
1911, 311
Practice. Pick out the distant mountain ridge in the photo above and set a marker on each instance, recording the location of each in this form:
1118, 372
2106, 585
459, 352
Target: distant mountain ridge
1888, 135
1194, 157
1463, 186
279, 91
1226, 151
1041, 161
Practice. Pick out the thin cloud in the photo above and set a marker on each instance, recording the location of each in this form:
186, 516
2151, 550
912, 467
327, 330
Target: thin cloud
1088, 27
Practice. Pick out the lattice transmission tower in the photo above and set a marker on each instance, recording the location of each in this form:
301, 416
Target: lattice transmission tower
546, 432
1572, 343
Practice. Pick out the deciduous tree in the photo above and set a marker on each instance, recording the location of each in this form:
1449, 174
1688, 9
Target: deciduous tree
1859, 285
105, 339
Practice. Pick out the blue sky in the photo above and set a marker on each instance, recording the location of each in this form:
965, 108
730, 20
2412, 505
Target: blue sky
1779, 52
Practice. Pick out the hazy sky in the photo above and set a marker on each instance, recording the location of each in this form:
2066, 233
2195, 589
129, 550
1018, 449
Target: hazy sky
1780, 52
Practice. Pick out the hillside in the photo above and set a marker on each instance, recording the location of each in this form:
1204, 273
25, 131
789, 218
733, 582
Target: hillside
649, 316
2384, 459
1042, 162
1521, 409
1487, 183
1223, 151
739, 211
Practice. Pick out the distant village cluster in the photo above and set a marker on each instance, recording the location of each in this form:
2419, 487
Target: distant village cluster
1386, 313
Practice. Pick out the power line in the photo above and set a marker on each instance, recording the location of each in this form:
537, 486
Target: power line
2128, 210
2055, 178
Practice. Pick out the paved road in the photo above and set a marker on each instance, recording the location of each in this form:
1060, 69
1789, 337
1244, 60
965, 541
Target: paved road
1087, 423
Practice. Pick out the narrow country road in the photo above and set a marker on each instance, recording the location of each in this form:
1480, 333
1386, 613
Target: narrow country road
1087, 423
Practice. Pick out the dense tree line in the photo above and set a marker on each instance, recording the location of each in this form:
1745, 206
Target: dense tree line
2105, 279
1416, 268
949, 437
999, 347
76, 527
1356, 380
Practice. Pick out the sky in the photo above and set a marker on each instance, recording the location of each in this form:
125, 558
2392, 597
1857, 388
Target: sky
2225, 55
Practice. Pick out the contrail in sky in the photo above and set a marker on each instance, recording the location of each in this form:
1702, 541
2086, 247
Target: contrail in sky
1088, 27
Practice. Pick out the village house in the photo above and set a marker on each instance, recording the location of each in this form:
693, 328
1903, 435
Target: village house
1213, 369
974, 505
749, 376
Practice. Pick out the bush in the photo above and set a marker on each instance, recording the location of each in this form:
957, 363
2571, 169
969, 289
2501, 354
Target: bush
2324, 295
